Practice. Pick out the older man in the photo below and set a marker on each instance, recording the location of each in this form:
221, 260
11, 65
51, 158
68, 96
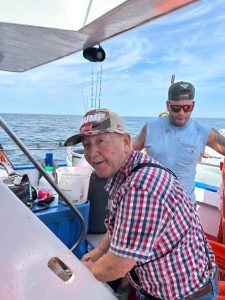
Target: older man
154, 236
177, 141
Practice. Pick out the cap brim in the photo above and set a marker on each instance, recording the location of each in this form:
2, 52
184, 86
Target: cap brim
73, 140
76, 139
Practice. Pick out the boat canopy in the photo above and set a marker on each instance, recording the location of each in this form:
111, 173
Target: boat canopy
33, 33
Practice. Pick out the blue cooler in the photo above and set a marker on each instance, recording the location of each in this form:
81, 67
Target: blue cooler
65, 224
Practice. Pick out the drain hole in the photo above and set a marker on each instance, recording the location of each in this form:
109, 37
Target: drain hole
61, 270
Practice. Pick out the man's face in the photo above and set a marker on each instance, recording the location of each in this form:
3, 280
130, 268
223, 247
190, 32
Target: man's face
179, 111
106, 152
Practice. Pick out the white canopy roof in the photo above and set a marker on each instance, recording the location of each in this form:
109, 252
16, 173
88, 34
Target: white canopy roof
34, 32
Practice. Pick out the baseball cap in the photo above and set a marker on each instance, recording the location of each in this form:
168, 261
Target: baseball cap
181, 91
96, 121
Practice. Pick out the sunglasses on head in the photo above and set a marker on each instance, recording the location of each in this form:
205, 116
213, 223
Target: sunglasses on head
177, 108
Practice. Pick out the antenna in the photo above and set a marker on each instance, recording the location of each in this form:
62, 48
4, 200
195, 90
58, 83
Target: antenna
172, 78
100, 89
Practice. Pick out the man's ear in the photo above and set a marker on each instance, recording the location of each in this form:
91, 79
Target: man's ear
168, 105
127, 142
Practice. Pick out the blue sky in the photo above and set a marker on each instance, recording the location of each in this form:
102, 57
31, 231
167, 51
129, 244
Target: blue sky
136, 72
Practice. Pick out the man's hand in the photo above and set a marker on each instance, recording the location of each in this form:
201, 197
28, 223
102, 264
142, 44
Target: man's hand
91, 257
205, 155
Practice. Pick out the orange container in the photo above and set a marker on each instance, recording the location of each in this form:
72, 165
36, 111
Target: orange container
219, 250
223, 172
221, 295
221, 233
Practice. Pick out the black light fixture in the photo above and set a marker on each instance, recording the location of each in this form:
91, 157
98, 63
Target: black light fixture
94, 54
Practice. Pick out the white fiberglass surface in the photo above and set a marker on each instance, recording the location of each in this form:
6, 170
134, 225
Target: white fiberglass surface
27, 246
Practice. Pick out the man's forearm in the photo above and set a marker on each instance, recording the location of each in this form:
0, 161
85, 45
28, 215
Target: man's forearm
216, 141
111, 267
104, 244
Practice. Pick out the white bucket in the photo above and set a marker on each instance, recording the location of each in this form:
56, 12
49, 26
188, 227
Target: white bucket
74, 156
74, 184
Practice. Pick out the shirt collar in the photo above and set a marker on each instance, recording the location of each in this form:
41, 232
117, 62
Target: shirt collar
125, 170
167, 121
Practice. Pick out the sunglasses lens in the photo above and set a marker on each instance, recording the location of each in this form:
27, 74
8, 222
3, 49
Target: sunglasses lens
187, 108
177, 108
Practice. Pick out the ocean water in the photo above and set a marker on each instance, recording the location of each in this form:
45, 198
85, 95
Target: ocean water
46, 133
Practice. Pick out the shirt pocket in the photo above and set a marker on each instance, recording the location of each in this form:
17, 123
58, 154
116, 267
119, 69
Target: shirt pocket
189, 154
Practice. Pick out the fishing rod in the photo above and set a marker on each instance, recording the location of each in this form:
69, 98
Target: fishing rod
92, 96
96, 90
85, 106
100, 89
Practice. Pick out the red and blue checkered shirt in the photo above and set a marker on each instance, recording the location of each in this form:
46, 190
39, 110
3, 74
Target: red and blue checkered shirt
152, 221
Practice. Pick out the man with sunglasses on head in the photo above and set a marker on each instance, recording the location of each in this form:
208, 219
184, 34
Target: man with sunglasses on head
177, 141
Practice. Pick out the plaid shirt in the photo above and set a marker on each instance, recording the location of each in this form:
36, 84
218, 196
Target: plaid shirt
152, 221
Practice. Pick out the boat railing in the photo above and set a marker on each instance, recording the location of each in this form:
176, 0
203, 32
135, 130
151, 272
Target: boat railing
39, 146
209, 164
